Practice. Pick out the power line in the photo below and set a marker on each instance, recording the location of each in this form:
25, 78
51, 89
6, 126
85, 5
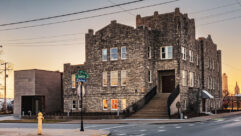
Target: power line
105, 14
44, 37
45, 45
220, 14
220, 21
69, 14
39, 42
214, 8
121, 8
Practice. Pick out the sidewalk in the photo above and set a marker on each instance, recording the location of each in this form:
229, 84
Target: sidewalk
51, 132
154, 121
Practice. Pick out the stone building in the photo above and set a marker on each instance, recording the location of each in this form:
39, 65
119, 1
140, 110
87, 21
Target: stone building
162, 52
37, 90
225, 85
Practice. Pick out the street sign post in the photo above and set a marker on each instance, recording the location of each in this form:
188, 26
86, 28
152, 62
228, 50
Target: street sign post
81, 78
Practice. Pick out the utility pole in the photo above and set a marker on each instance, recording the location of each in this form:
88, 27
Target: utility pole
5, 87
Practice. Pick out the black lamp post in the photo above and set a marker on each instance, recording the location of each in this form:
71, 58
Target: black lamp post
81, 112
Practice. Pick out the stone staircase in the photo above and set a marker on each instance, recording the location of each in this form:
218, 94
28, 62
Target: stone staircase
155, 109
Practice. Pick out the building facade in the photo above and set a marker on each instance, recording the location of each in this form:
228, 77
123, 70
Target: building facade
37, 90
125, 63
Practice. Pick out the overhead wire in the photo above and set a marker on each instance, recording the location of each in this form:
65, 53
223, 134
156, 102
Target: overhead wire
70, 14
88, 17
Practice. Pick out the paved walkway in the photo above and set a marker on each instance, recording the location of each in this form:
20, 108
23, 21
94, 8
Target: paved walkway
9, 117
154, 121
51, 132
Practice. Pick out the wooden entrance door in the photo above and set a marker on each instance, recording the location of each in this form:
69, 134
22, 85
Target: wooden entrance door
168, 84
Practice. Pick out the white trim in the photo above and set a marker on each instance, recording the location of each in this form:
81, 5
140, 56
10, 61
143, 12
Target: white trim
103, 79
111, 54
103, 104
111, 73
125, 77
73, 80
117, 104
184, 53
74, 104
149, 52
167, 57
125, 53
103, 55
150, 78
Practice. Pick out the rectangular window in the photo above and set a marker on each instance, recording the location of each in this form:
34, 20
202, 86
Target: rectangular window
105, 80
123, 78
114, 78
73, 81
166, 52
184, 78
149, 52
73, 104
191, 79
104, 55
113, 54
105, 104
191, 55
123, 52
123, 104
149, 76
184, 54
114, 104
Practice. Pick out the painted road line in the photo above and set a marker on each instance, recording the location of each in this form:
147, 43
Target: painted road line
178, 127
162, 130
121, 134
117, 127
143, 130
161, 126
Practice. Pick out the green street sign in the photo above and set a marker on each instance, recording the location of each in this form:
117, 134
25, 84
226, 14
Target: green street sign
81, 74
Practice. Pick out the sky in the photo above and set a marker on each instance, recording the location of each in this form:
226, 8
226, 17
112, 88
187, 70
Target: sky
49, 47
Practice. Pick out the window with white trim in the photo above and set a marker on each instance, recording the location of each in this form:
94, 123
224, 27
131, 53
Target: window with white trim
191, 79
184, 78
123, 104
74, 105
184, 53
149, 52
73, 81
104, 54
123, 77
114, 104
150, 76
191, 55
123, 52
114, 78
105, 79
166, 52
114, 54
105, 104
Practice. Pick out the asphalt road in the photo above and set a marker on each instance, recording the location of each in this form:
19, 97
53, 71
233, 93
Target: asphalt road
230, 126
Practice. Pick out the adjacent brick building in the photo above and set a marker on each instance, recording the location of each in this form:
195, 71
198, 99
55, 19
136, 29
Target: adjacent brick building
125, 63
37, 90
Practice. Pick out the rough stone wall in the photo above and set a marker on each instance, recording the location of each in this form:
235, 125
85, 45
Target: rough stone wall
170, 29
212, 55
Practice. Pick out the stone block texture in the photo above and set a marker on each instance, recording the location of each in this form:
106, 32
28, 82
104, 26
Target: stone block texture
151, 34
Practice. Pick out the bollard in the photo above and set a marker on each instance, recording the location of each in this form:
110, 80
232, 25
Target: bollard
40, 118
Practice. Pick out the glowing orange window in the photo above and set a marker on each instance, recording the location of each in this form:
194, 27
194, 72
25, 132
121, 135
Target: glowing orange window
114, 104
